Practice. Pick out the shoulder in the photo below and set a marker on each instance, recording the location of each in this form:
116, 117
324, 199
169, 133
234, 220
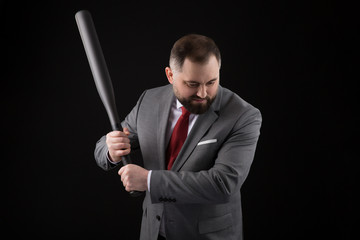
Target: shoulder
157, 94
238, 113
162, 90
232, 102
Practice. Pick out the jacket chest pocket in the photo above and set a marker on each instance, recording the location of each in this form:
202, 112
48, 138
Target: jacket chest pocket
202, 158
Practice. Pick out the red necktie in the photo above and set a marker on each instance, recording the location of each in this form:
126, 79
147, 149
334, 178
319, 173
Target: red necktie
178, 137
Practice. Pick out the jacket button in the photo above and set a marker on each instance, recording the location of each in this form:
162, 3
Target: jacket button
158, 217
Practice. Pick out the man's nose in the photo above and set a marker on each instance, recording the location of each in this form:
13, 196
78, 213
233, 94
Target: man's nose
202, 92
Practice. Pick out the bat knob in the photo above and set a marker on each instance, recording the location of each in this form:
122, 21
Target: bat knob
136, 193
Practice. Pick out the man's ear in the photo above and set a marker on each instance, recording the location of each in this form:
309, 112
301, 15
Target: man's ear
169, 75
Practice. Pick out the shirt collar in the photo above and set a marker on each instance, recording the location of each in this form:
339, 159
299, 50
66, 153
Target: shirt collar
178, 104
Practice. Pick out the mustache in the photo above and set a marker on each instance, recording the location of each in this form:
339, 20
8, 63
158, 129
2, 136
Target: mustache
199, 98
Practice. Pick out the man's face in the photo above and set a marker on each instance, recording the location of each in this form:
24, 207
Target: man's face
196, 85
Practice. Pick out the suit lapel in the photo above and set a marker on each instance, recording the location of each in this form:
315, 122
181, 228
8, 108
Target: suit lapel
164, 107
202, 124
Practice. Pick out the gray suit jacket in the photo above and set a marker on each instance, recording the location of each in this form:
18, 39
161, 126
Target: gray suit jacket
200, 197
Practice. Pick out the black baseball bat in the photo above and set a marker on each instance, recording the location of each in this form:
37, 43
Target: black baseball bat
100, 73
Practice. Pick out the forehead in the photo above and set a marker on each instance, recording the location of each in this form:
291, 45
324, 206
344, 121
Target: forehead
200, 71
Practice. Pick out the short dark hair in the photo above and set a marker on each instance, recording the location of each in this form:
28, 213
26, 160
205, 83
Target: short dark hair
198, 48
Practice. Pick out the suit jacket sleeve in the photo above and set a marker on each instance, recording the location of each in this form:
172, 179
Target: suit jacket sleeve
225, 177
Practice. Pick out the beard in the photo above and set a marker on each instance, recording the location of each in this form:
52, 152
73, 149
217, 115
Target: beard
195, 107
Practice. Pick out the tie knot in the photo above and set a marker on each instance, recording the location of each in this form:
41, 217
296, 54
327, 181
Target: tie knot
185, 113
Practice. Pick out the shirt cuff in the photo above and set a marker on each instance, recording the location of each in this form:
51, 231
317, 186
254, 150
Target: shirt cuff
148, 180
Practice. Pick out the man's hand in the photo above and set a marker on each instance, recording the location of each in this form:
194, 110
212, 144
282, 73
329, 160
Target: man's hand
134, 177
118, 144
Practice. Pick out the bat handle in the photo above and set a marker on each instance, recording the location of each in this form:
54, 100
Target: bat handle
126, 160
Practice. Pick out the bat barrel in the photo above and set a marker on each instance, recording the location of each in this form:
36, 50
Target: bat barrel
98, 65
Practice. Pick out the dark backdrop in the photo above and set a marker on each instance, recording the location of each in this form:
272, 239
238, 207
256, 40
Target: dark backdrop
293, 60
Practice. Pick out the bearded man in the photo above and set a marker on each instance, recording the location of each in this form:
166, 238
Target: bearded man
197, 141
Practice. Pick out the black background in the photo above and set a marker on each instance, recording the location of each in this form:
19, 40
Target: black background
294, 60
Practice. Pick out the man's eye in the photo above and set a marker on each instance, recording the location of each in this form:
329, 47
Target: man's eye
210, 83
193, 85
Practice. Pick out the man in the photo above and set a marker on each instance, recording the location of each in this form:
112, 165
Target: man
192, 190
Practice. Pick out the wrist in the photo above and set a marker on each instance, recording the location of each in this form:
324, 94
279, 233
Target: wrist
111, 160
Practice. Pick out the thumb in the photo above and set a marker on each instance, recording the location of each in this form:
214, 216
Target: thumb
126, 131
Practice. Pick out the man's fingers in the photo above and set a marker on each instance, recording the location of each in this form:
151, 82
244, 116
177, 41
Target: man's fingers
117, 134
119, 146
123, 175
121, 170
118, 139
127, 184
121, 153
123, 178
133, 177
